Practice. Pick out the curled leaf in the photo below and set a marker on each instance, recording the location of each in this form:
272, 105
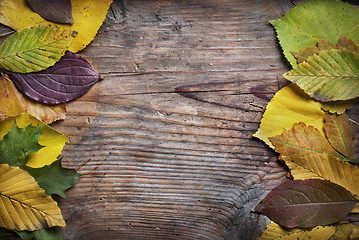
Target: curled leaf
67, 80
34, 49
24, 205
59, 11
13, 103
307, 203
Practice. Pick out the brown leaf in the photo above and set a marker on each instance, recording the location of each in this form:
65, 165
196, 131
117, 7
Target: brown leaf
59, 11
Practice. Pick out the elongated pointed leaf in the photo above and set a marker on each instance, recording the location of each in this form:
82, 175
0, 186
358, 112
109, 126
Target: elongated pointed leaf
332, 75
314, 20
54, 179
307, 203
301, 149
34, 49
23, 204
59, 11
340, 133
13, 103
53, 233
67, 80
18, 144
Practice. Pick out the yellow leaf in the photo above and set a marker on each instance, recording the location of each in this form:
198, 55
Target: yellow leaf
275, 232
52, 140
338, 107
12, 103
345, 232
88, 17
289, 105
23, 204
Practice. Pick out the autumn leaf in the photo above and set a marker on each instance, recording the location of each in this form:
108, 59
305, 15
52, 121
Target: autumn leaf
288, 106
59, 11
67, 80
34, 49
12, 103
53, 233
340, 133
307, 203
52, 140
309, 155
311, 21
329, 76
54, 179
338, 107
18, 144
88, 16
345, 232
24, 205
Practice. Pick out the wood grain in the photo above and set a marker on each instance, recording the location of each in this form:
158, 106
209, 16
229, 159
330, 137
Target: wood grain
165, 142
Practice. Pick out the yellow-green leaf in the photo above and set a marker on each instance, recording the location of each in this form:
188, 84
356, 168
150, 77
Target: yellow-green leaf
338, 107
13, 103
289, 105
34, 49
345, 232
23, 204
340, 133
329, 76
52, 140
88, 16
276, 232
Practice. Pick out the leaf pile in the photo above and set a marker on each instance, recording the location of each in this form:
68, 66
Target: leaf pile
40, 72
306, 124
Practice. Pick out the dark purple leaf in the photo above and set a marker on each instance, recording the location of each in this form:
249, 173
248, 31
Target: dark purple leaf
307, 203
67, 80
59, 11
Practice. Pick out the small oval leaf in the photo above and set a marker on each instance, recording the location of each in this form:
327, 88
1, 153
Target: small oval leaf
59, 11
67, 80
307, 203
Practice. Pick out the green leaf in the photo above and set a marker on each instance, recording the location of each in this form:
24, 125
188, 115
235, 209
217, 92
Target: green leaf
18, 144
315, 20
54, 179
332, 75
34, 49
53, 233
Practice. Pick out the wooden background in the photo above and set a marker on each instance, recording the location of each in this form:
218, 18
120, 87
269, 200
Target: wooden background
165, 142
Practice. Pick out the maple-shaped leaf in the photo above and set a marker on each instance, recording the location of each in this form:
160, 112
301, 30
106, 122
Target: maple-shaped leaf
340, 133
13, 103
275, 232
329, 76
52, 140
67, 80
309, 155
307, 203
59, 11
53, 233
289, 106
24, 205
54, 179
34, 49
311, 21
18, 144
88, 16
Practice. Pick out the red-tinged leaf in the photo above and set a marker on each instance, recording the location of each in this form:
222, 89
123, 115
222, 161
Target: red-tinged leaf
340, 133
307, 203
59, 11
67, 80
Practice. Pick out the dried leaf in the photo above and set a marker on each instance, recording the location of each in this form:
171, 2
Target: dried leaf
12, 103
52, 140
307, 154
329, 76
314, 20
307, 203
276, 232
88, 16
59, 11
289, 105
24, 205
340, 133
34, 49
54, 179
67, 80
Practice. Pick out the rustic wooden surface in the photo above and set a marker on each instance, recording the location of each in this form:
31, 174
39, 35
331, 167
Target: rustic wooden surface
165, 142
